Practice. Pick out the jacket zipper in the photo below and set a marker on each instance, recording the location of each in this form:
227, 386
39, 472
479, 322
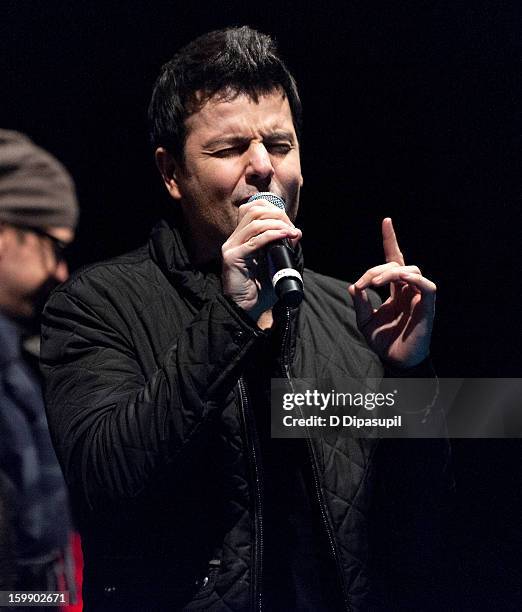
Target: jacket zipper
285, 350
258, 531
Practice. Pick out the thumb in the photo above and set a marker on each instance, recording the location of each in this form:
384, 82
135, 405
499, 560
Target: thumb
363, 307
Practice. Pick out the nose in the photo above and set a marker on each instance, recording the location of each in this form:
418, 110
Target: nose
260, 169
61, 272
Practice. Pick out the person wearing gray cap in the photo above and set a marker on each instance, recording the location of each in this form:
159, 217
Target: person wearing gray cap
38, 217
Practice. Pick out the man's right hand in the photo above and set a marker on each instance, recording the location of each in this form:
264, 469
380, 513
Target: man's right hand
244, 275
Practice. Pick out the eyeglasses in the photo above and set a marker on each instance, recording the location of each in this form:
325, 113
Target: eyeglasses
59, 246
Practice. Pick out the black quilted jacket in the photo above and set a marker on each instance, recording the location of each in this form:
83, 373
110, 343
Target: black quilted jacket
143, 358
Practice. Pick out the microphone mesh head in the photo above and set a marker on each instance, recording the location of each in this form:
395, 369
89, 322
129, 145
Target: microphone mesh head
270, 197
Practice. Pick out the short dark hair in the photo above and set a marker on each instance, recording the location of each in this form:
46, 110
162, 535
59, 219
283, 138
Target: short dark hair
232, 61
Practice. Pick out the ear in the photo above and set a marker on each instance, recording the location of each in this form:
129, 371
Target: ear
169, 170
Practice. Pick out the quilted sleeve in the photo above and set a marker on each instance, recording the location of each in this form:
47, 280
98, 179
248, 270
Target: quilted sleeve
113, 430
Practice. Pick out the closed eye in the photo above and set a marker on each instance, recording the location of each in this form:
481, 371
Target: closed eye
278, 148
230, 151
273, 148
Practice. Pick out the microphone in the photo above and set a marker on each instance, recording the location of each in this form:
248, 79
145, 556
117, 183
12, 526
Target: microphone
286, 280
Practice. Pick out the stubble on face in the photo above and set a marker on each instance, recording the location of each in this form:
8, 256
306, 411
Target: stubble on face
29, 271
235, 147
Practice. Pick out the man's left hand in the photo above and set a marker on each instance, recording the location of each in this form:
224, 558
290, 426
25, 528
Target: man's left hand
399, 331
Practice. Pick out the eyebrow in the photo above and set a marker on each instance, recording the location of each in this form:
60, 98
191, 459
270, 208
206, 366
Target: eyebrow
240, 140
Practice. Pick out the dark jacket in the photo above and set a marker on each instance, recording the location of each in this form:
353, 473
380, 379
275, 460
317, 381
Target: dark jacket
32, 482
7, 554
150, 415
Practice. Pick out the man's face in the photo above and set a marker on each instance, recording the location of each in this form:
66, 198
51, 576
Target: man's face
234, 149
29, 268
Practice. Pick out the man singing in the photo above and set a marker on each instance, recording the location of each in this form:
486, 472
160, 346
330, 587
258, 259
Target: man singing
158, 366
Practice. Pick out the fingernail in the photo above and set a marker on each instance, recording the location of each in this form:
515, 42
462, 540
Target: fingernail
377, 279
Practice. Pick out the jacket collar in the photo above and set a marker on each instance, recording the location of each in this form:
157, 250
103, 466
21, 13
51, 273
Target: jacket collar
168, 251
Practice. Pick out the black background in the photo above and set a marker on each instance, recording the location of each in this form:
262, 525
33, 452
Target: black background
412, 110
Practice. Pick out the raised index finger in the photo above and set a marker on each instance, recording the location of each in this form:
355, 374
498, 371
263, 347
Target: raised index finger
390, 244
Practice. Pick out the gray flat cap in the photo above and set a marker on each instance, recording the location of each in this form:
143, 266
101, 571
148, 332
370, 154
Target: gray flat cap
35, 188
